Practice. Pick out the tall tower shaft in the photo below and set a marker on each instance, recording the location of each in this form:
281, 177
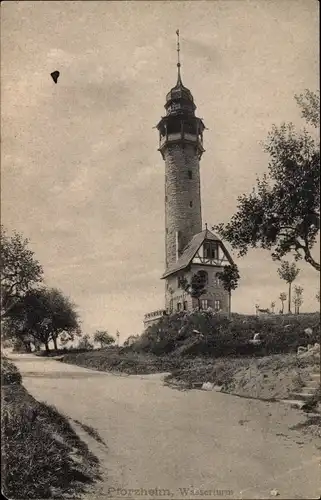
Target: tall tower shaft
181, 146
191, 253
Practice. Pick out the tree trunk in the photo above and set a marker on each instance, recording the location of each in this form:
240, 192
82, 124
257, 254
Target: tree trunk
309, 259
282, 307
229, 302
289, 305
47, 346
28, 347
55, 342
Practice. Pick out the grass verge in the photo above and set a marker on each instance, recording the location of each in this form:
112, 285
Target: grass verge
121, 360
42, 456
268, 377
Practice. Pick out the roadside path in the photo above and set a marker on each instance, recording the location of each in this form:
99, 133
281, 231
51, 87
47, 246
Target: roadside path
162, 438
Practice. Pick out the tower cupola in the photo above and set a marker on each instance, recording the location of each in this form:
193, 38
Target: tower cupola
179, 99
180, 125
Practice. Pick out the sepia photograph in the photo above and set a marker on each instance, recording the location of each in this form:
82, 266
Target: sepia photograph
160, 250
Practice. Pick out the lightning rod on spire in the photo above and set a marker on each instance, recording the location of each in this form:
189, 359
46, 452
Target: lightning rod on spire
178, 58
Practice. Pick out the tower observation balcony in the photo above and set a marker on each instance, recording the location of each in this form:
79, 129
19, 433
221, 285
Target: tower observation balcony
182, 136
179, 137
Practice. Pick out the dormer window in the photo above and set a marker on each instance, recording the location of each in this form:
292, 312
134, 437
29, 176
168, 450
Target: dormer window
210, 250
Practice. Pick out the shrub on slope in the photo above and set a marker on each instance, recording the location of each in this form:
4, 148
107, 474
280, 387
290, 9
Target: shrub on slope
207, 333
9, 372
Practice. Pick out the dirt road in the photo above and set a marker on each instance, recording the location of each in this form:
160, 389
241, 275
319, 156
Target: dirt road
178, 443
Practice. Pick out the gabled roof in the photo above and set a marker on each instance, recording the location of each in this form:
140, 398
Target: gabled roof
191, 249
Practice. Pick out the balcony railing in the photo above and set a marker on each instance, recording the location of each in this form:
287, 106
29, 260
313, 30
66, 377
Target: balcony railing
154, 314
177, 136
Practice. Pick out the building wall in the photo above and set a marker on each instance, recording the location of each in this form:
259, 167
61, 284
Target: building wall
153, 317
214, 290
180, 192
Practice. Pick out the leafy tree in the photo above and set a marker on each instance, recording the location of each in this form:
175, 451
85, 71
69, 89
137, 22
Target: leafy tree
197, 287
309, 103
63, 316
43, 315
131, 339
171, 301
20, 271
229, 278
64, 339
84, 343
288, 272
282, 298
282, 214
103, 338
272, 306
318, 296
12, 335
117, 335
297, 298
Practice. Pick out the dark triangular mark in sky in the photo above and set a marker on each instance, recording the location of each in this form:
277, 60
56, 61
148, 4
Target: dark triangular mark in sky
55, 76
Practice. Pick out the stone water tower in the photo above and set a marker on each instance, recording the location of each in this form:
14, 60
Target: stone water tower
181, 146
189, 250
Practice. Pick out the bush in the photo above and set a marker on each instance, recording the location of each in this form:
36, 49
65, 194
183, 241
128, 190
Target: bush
9, 372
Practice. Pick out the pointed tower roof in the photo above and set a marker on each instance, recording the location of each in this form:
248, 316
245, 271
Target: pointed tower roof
179, 92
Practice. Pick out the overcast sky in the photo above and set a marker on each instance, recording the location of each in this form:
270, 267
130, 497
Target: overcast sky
81, 174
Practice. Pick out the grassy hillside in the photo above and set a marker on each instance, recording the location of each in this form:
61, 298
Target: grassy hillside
269, 377
205, 347
209, 334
